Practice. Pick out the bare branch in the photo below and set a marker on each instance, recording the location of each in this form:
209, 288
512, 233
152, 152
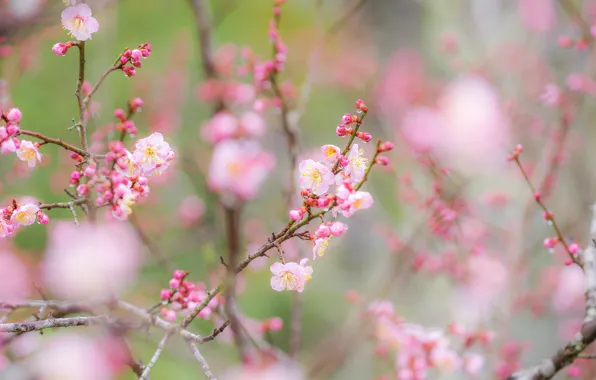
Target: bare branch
21, 327
206, 370
158, 351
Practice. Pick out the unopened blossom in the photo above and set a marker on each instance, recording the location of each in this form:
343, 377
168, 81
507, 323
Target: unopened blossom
27, 151
290, 276
14, 115
315, 176
331, 152
25, 215
239, 168
152, 152
78, 21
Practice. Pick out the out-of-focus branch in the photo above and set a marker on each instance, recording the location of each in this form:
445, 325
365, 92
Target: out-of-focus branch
349, 14
22, 327
197, 354
151, 245
566, 355
205, 39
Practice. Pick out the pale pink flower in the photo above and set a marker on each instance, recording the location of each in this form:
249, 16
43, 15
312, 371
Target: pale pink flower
91, 261
15, 284
359, 200
290, 276
551, 96
8, 146
252, 124
71, 356
446, 360
78, 21
14, 115
473, 363
123, 205
306, 269
221, 126
357, 164
239, 168
337, 228
6, 227
128, 166
315, 176
27, 151
25, 215
152, 152
320, 247
421, 128
331, 153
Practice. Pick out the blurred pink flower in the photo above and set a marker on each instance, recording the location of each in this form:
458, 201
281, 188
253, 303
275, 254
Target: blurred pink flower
191, 209
476, 132
570, 288
537, 15
422, 127
91, 260
78, 21
69, 356
239, 167
15, 284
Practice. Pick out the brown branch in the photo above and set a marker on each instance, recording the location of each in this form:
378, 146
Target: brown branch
205, 39
22, 327
58, 142
79, 94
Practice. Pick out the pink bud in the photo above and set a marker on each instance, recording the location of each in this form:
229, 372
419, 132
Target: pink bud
174, 283
129, 71
170, 315
344, 161
322, 232
3, 133
179, 274
136, 103
337, 228
346, 119
89, 171
323, 202
275, 324
296, 214
75, 176
364, 136
386, 146
340, 130
43, 218
136, 54
100, 201
120, 114
166, 294
83, 189
573, 248
12, 129
551, 242
142, 181
382, 160
61, 48
123, 60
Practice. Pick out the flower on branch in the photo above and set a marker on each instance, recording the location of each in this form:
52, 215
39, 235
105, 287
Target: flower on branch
79, 22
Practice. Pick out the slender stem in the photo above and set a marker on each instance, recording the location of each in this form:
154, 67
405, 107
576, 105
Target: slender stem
79, 94
58, 142
99, 82
158, 351
203, 363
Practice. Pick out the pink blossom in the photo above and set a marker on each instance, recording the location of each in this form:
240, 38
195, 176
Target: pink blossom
191, 209
570, 288
252, 124
27, 151
447, 360
14, 115
337, 228
320, 247
25, 215
71, 356
357, 164
551, 96
315, 176
473, 363
331, 152
78, 21
91, 261
15, 284
359, 200
221, 126
290, 276
239, 168
537, 15
421, 128
8, 146
151, 153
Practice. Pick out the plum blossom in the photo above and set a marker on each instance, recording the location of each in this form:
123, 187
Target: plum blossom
127, 166
290, 276
152, 152
27, 151
331, 152
239, 167
320, 247
351, 201
25, 215
315, 176
78, 21
357, 165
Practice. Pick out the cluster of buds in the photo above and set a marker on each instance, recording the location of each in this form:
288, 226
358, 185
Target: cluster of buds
8, 141
516, 152
125, 124
134, 57
263, 71
183, 296
17, 215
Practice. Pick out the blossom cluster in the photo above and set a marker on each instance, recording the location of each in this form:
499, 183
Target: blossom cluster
124, 179
414, 350
17, 215
263, 71
183, 296
332, 184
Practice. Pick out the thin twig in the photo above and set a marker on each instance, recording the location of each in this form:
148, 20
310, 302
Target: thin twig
58, 142
158, 351
197, 354
21, 327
